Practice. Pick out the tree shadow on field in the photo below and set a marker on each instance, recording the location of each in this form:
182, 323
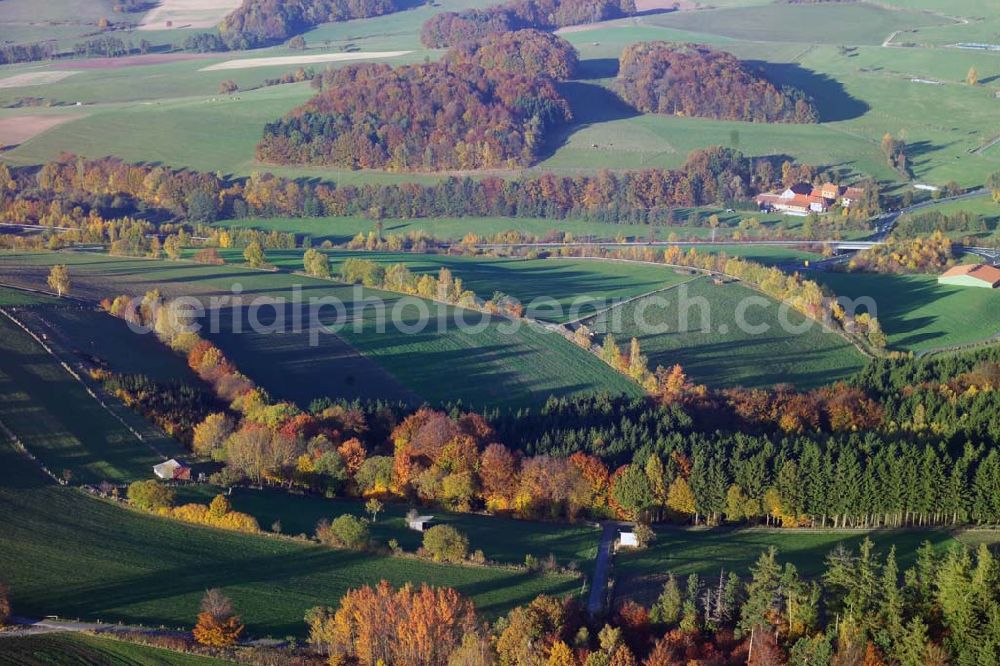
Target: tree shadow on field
655, 11
832, 100
591, 104
597, 68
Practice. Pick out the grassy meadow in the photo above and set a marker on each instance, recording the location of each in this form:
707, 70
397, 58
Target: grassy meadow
65, 649
495, 536
139, 568
87, 333
62, 424
485, 365
339, 230
563, 289
917, 313
713, 350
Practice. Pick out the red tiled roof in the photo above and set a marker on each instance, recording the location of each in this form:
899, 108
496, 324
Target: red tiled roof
988, 274
803, 201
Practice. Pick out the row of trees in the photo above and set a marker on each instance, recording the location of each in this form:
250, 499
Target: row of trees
13, 53
399, 278
895, 153
67, 192
107, 46
862, 610
432, 116
451, 28
261, 22
694, 80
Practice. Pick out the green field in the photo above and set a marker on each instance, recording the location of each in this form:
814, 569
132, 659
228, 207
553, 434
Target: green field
86, 333
142, 569
64, 426
17, 297
640, 574
844, 23
486, 365
561, 289
339, 230
73, 649
768, 255
493, 535
917, 313
713, 350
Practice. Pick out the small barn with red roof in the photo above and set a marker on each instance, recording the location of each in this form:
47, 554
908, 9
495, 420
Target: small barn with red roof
972, 275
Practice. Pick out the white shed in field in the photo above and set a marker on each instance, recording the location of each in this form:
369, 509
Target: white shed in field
420, 523
628, 540
172, 470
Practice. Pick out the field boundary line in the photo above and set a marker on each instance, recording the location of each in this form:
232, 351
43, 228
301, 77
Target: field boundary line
26, 452
625, 301
86, 387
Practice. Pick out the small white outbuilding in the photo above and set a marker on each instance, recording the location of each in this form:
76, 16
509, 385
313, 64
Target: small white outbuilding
420, 523
172, 470
628, 540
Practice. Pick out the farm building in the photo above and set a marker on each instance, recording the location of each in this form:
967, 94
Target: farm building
972, 275
172, 470
803, 198
628, 540
420, 523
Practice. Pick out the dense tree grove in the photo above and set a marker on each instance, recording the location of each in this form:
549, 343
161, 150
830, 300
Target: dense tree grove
13, 53
923, 224
862, 609
432, 116
528, 52
380, 625
174, 407
108, 200
695, 80
920, 254
451, 28
107, 46
261, 22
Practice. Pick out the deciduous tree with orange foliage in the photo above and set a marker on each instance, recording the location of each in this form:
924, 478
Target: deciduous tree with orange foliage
218, 625
382, 625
